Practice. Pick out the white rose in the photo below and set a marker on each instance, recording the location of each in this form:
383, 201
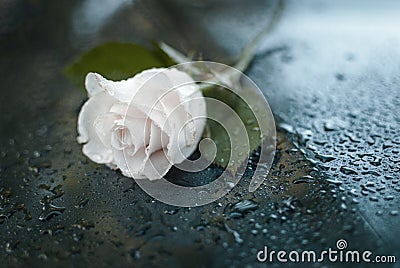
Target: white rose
142, 125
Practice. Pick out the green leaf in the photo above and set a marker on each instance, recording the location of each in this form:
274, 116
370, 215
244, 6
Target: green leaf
116, 61
234, 148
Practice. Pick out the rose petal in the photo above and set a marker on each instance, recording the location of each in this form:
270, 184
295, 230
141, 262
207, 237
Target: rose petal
89, 112
125, 90
142, 77
196, 107
94, 148
175, 116
158, 140
92, 84
122, 90
189, 103
131, 165
138, 130
152, 85
187, 86
104, 125
96, 151
156, 166
121, 138
192, 98
178, 142
112, 166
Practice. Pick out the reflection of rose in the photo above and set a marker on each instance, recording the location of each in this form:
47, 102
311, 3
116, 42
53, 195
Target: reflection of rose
142, 125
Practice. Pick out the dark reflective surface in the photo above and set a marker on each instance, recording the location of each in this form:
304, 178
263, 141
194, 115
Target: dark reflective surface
330, 72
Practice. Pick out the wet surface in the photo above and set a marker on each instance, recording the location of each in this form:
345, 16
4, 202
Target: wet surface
344, 81
331, 75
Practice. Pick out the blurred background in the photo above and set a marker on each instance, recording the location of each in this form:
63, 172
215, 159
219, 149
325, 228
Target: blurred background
330, 71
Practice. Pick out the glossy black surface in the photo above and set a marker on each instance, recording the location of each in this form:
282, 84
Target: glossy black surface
331, 73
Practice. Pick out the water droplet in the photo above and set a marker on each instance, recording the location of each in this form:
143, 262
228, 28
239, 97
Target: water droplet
238, 210
353, 192
53, 230
82, 203
11, 246
49, 209
335, 181
340, 77
304, 179
374, 199
235, 234
96, 158
394, 212
136, 254
245, 205
286, 127
348, 171
333, 124
304, 136
171, 211
370, 172
325, 157
83, 224
230, 184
